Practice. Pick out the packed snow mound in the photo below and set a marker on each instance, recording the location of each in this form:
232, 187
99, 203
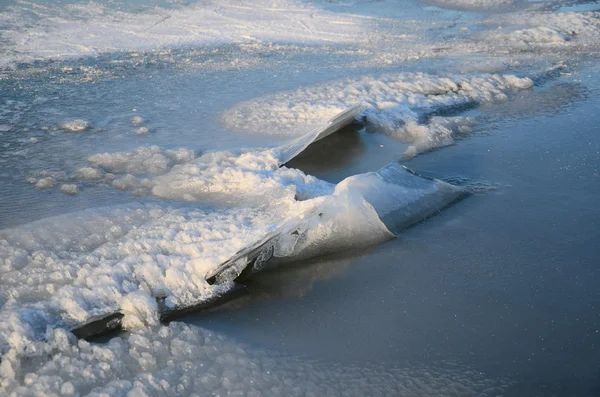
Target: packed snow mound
403, 105
226, 175
249, 177
179, 359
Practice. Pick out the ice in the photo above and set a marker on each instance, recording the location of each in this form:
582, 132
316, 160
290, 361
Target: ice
396, 104
178, 359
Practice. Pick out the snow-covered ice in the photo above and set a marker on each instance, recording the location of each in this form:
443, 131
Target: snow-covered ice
396, 105
420, 70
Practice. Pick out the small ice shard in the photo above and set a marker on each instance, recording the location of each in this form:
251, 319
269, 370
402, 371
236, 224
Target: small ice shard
142, 131
33, 140
77, 125
46, 183
33, 181
137, 120
69, 189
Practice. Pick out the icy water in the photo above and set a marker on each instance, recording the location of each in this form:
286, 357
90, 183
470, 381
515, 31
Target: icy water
140, 148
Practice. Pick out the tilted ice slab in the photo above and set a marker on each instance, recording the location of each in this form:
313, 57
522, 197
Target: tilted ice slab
402, 105
145, 262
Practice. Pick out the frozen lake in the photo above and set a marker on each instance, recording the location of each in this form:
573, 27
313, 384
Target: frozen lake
138, 151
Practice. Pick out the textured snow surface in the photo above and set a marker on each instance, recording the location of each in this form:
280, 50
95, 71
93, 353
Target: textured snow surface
526, 29
475, 5
51, 31
401, 105
188, 360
